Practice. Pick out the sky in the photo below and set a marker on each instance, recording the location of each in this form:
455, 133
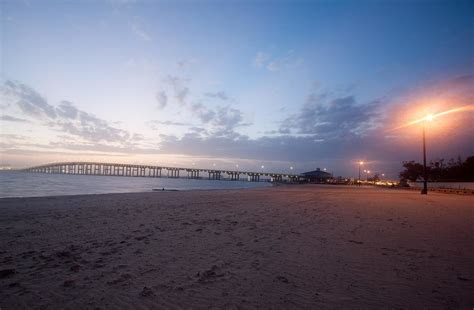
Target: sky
279, 84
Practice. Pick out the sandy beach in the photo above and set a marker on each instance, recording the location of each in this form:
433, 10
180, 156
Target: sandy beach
286, 247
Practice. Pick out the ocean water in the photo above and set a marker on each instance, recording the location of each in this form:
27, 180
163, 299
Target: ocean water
23, 184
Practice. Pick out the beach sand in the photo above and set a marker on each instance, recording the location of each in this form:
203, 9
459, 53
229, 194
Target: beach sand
284, 247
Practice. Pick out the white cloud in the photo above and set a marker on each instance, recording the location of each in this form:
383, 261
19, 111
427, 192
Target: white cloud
260, 59
140, 33
266, 61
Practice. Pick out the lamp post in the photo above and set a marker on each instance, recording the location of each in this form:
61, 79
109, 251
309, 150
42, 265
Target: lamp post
424, 191
360, 164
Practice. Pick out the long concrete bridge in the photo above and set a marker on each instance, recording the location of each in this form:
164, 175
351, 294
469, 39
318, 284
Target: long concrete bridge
127, 170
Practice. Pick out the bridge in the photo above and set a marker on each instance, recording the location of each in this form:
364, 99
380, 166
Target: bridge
128, 170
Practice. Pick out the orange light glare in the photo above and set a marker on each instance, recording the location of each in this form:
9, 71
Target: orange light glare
431, 117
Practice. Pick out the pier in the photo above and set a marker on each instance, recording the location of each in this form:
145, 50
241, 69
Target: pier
129, 170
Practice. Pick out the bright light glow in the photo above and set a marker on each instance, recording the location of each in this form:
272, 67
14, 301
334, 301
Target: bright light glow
361, 163
263, 166
291, 168
431, 117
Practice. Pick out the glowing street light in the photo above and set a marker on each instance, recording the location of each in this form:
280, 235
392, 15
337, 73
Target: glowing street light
360, 164
429, 118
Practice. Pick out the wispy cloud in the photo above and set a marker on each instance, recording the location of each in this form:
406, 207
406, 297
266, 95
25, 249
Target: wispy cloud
162, 99
260, 59
219, 95
273, 63
140, 33
179, 86
10, 118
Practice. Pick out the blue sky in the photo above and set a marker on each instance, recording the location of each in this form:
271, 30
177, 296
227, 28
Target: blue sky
279, 83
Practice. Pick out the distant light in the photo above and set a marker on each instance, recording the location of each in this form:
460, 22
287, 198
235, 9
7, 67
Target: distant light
368, 171
361, 163
429, 117
365, 170
324, 169
263, 166
291, 168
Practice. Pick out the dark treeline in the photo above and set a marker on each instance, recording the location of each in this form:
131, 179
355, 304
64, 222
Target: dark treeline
440, 170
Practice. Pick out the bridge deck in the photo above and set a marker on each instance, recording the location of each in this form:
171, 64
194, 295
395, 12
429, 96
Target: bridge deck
130, 170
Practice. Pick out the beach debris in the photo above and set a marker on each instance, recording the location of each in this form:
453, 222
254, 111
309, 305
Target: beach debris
122, 278
210, 274
147, 292
75, 268
356, 242
282, 279
69, 283
63, 254
5, 273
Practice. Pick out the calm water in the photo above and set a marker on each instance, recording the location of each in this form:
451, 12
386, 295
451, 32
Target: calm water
22, 184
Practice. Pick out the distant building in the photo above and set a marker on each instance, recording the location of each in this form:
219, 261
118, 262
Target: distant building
317, 176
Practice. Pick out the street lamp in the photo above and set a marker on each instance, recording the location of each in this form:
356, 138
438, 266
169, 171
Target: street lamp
424, 191
360, 164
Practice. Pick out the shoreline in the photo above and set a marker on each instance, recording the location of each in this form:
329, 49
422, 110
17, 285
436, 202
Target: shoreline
273, 247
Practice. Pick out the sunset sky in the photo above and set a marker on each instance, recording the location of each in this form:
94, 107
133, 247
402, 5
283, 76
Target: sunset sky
274, 83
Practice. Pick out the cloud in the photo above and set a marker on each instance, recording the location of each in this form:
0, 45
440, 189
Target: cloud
335, 118
202, 112
178, 84
162, 99
273, 66
260, 59
140, 33
9, 118
65, 117
67, 110
228, 117
263, 60
153, 124
219, 95
28, 100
